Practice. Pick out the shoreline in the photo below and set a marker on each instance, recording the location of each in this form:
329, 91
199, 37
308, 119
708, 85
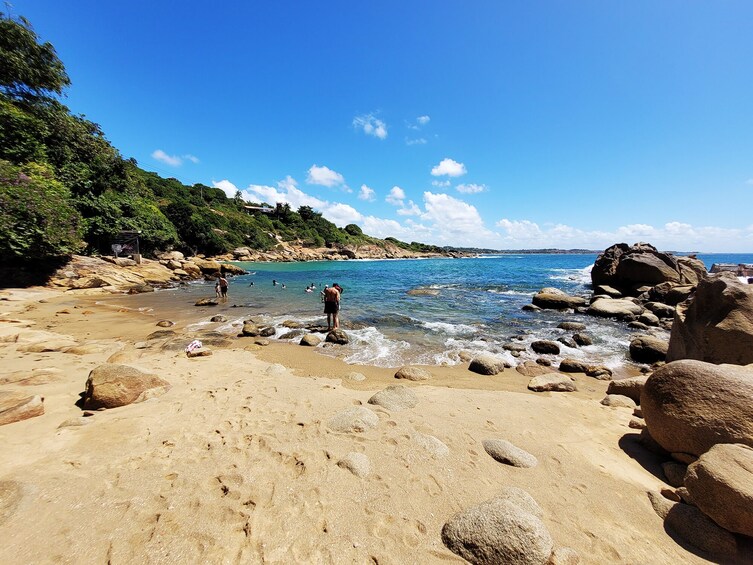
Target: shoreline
243, 439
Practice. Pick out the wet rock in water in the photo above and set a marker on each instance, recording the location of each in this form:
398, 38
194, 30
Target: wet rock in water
413, 374
434, 446
532, 369
165, 324
486, 364
337, 336
200, 352
110, 386
648, 349
567, 341
250, 329
553, 382
17, 406
505, 452
292, 334
207, 302
690, 406
569, 365
356, 463
555, 299
716, 324
219, 319
396, 397
649, 319
500, 530
544, 346
530, 308
543, 362
423, 292
619, 308
310, 340
630, 387
571, 326
519, 347
292, 324
354, 419
721, 486
618, 401
674, 472
637, 326
600, 372
267, 332
582, 339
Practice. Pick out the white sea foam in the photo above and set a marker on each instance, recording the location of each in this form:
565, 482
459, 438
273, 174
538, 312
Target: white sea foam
582, 276
370, 347
451, 329
510, 292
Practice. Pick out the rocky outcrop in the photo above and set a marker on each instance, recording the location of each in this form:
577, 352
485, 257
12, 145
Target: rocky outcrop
627, 267
17, 406
110, 386
720, 484
690, 406
716, 324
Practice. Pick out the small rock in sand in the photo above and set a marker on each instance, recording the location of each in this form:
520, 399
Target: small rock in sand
505, 452
75, 422
551, 382
618, 401
532, 369
355, 419
261, 341
434, 446
276, 369
356, 463
564, 556
570, 365
630, 387
413, 374
600, 372
200, 352
486, 364
355, 377
337, 336
219, 318
396, 397
110, 386
498, 531
165, 324
637, 423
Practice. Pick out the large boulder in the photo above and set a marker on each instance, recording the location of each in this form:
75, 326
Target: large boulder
720, 483
555, 299
648, 349
619, 308
690, 406
716, 324
627, 267
486, 364
110, 386
17, 406
506, 529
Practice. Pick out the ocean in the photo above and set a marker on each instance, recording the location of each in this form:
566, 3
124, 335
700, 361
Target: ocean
475, 307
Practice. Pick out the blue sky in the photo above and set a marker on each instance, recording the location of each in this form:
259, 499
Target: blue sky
494, 124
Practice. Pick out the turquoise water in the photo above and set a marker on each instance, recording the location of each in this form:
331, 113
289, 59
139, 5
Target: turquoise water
477, 308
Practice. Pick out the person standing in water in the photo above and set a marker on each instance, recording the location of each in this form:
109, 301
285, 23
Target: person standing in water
223, 287
332, 307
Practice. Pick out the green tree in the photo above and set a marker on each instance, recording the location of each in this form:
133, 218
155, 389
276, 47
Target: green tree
36, 219
29, 70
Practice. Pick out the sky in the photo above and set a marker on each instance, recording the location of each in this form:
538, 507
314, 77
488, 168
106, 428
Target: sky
496, 124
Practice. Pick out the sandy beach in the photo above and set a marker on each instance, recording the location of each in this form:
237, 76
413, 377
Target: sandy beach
238, 462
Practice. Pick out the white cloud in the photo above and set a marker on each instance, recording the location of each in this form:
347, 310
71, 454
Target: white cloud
324, 176
451, 214
423, 120
441, 183
226, 186
366, 193
449, 167
417, 141
520, 230
192, 158
409, 209
162, 157
396, 196
371, 125
342, 214
471, 188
